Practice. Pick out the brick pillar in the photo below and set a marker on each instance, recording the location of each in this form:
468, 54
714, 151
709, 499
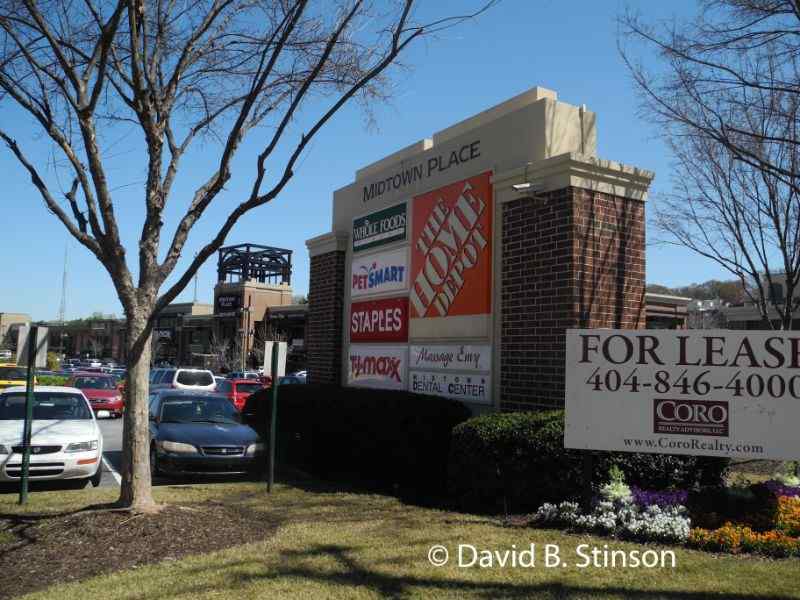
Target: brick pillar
570, 258
325, 309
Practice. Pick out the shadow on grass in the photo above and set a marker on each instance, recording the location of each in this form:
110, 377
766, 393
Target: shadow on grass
355, 575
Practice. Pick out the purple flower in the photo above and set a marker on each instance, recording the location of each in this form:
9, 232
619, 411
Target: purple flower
645, 498
779, 489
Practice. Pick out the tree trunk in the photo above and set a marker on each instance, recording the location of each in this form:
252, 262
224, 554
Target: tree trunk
136, 490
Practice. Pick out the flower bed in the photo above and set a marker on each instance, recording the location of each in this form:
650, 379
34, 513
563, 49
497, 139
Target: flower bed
760, 518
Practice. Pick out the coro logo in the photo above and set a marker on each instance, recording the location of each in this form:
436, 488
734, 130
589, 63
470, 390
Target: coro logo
692, 417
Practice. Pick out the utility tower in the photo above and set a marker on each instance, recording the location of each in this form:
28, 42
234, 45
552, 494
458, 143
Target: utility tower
62, 308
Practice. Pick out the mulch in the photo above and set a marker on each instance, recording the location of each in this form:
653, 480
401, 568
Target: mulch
46, 550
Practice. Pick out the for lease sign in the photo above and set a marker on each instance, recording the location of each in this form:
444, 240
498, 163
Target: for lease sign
711, 392
379, 320
377, 366
379, 272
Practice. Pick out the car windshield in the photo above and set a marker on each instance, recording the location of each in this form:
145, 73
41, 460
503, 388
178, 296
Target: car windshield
198, 410
247, 388
12, 373
195, 378
94, 383
52, 406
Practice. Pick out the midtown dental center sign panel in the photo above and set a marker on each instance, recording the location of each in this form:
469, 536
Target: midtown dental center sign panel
712, 393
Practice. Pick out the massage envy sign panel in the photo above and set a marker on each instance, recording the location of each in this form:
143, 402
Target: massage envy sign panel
379, 272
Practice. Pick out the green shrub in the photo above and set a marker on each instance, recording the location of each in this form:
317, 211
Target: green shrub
374, 438
514, 462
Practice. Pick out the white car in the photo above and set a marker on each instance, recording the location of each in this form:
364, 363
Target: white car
183, 379
66, 442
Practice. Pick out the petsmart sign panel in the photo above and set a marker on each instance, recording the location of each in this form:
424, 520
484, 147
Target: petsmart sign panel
379, 272
382, 367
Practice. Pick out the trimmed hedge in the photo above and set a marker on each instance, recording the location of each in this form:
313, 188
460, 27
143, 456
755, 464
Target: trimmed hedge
380, 439
514, 462
52, 380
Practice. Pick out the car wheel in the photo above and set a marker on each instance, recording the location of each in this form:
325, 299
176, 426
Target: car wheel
154, 471
97, 477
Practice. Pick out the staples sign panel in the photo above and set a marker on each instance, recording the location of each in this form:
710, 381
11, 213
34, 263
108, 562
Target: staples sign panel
379, 228
382, 367
451, 250
710, 393
379, 272
379, 320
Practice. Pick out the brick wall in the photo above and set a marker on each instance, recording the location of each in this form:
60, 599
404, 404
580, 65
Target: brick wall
570, 258
324, 325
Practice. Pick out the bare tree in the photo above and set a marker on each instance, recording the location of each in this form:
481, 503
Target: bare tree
224, 353
214, 70
727, 101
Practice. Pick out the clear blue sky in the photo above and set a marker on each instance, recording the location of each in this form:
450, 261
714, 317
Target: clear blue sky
567, 47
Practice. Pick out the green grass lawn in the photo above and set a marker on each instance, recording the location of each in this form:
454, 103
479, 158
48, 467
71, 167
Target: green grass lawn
349, 545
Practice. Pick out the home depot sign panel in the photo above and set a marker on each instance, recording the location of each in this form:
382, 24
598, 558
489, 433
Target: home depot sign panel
451, 252
712, 393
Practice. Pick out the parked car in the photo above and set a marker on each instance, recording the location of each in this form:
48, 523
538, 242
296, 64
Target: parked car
66, 442
11, 375
101, 390
237, 390
194, 379
244, 375
193, 432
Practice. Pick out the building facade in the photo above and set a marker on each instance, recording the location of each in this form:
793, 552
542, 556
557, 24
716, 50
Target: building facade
456, 265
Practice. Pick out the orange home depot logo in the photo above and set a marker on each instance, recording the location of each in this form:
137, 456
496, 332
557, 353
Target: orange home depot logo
451, 252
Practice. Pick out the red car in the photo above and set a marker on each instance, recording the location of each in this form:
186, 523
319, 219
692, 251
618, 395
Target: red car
237, 390
101, 391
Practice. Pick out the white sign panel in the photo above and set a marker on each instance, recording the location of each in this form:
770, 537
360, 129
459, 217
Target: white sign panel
268, 358
451, 358
379, 272
384, 367
24, 338
467, 387
710, 392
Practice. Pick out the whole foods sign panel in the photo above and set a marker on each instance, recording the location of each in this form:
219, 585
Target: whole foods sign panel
468, 387
379, 320
380, 272
712, 393
451, 251
382, 367
380, 227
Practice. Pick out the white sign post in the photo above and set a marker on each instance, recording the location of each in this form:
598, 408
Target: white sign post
268, 359
710, 393
40, 343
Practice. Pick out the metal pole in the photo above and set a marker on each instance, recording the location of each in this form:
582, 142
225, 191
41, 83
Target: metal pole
273, 424
26, 434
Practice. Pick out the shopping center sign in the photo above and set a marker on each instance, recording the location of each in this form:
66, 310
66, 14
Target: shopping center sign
710, 392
